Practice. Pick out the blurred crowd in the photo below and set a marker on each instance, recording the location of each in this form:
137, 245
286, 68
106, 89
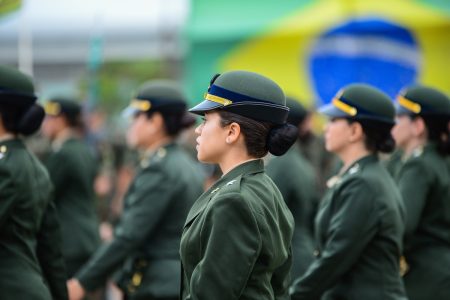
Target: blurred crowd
100, 170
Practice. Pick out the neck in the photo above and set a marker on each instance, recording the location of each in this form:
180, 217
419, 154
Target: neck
413, 144
234, 158
158, 143
6, 136
64, 134
352, 154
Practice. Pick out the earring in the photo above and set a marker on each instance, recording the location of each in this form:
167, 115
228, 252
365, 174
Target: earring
227, 140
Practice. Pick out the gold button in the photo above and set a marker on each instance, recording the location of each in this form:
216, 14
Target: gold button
3, 149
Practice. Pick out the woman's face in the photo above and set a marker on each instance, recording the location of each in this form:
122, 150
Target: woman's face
140, 131
337, 135
211, 140
51, 126
402, 132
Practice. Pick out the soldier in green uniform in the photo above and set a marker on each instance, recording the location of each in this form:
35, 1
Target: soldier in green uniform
236, 242
421, 132
312, 148
145, 246
360, 223
31, 262
296, 180
72, 169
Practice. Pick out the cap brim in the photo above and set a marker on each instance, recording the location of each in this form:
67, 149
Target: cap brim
400, 110
332, 111
129, 112
204, 106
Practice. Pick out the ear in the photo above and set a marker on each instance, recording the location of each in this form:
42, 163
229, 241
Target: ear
157, 120
356, 132
233, 134
418, 126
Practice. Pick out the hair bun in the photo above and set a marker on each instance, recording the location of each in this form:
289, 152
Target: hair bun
387, 145
281, 138
31, 120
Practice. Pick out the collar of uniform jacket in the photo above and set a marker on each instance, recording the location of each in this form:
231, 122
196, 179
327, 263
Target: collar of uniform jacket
249, 167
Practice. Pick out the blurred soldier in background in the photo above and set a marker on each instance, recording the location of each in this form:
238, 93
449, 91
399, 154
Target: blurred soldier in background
312, 147
72, 169
144, 249
360, 223
422, 134
31, 262
296, 180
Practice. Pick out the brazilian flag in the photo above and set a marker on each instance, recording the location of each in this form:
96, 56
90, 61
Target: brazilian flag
314, 47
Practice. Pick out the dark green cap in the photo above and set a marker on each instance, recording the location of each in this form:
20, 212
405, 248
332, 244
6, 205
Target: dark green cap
157, 95
245, 93
16, 88
57, 106
297, 112
361, 102
422, 100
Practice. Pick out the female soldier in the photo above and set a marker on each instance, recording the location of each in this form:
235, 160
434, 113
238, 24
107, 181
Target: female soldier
146, 241
422, 134
237, 237
31, 262
360, 223
72, 169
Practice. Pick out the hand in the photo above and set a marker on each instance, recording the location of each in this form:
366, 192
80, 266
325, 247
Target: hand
76, 290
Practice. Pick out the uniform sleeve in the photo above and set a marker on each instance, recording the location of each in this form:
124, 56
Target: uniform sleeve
49, 253
230, 244
281, 279
7, 193
413, 183
352, 226
149, 200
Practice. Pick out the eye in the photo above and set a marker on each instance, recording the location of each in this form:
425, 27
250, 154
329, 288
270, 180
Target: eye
334, 119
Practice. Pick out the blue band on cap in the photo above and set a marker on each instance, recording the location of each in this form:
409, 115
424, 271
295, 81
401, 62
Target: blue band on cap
4, 91
233, 96
360, 112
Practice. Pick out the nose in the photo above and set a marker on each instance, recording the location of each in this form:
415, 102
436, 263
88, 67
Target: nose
198, 129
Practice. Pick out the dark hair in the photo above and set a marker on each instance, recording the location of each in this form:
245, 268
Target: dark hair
22, 120
174, 122
74, 121
378, 135
438, 132
262, 137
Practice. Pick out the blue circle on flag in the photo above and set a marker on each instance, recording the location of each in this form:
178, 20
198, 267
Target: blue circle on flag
370, 50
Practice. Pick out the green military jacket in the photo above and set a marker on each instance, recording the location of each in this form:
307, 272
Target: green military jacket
236, 242
394, 162
424, 182
359, 230
296, 180
31, 262
72, 169
323, 162
146, 241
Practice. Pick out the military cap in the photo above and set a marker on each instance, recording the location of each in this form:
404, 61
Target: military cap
157, 95
245, 93
297, 112
422, 100
62, 106
361, 102
16, 88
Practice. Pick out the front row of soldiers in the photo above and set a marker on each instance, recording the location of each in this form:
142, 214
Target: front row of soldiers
238, 239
